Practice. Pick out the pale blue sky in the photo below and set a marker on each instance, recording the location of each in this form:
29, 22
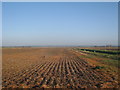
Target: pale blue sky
67, 23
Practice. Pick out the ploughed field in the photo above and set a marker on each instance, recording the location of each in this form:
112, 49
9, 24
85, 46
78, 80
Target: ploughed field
50, 68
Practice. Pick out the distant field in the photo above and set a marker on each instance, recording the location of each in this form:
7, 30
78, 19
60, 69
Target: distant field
102, 48
59, 68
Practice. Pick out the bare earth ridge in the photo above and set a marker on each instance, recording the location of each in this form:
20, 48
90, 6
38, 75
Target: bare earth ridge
49, 68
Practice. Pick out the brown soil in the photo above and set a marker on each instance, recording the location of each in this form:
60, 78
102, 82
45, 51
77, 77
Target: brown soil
50, 68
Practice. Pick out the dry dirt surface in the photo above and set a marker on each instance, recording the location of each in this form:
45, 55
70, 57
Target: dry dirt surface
50, 68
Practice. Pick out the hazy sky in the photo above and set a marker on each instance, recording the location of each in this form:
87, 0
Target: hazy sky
68, 23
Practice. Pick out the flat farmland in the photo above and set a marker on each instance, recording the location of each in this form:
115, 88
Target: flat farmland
54, 68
